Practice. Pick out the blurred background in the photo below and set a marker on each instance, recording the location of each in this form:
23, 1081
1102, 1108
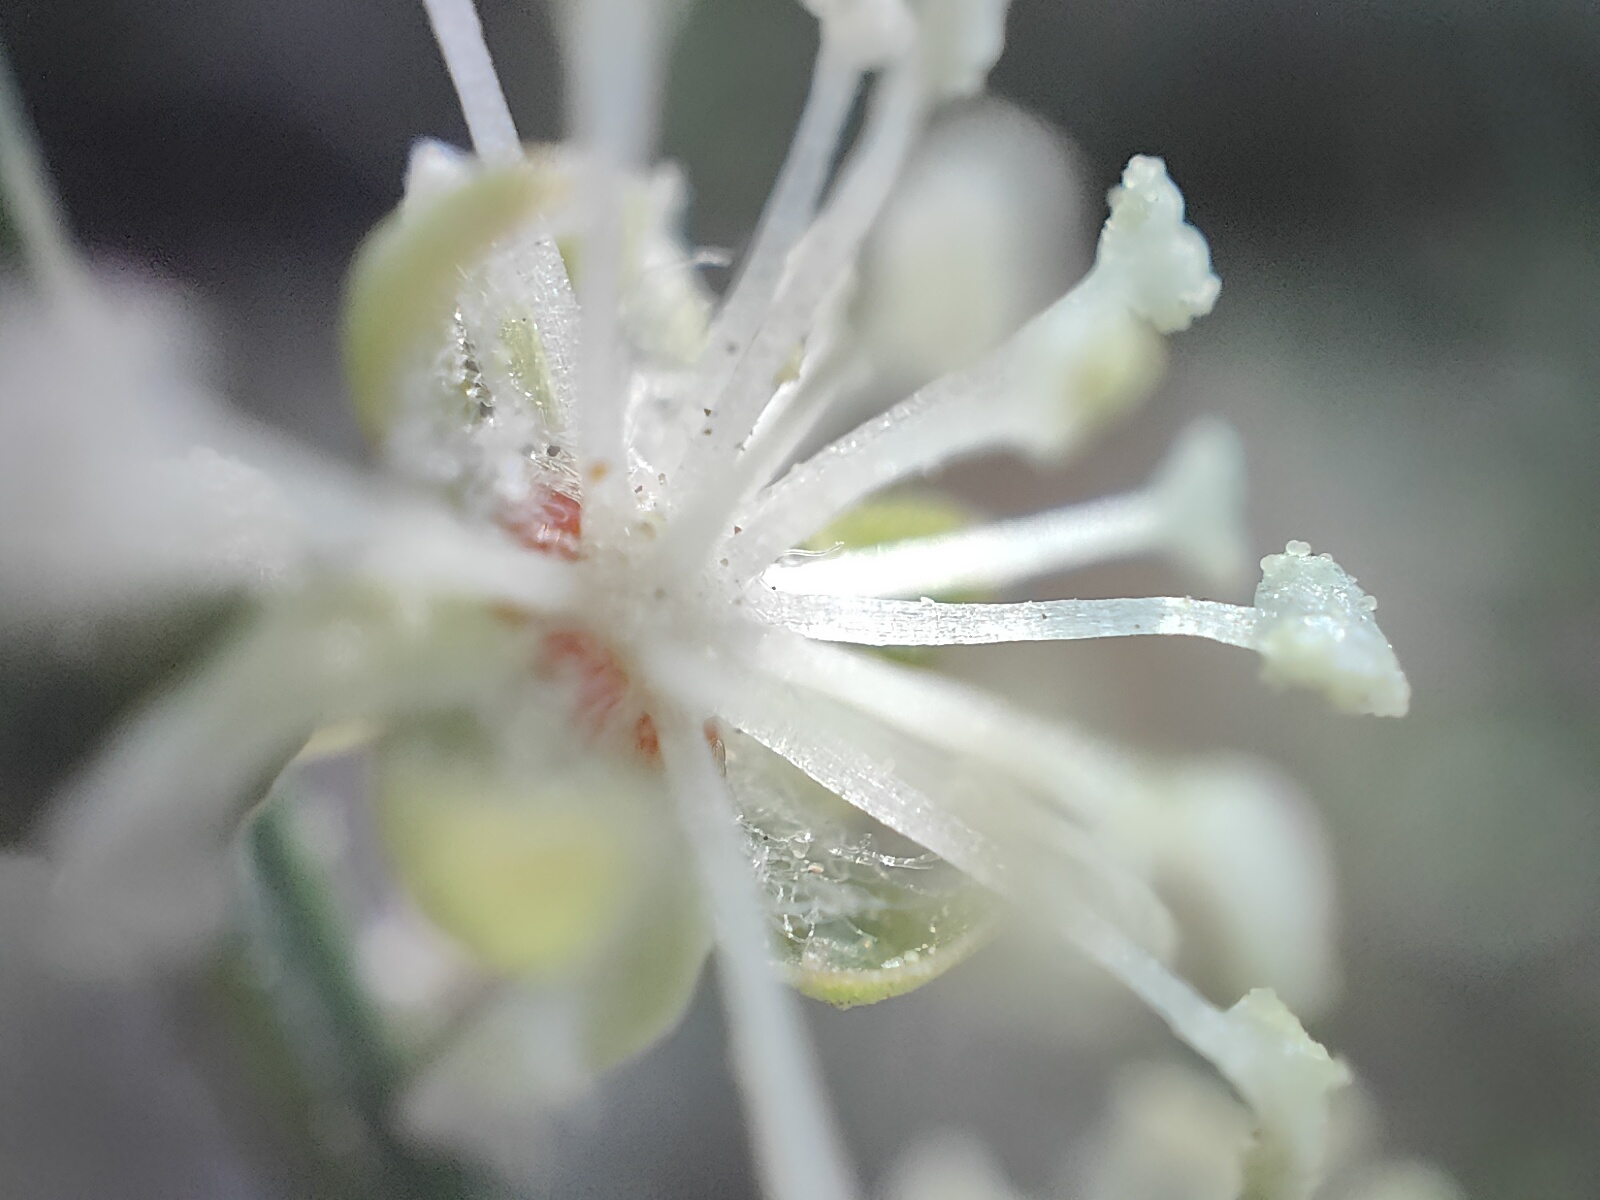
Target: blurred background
1403, 201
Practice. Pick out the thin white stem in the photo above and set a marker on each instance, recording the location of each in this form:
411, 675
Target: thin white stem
818, 262
460, 36
614, 51
991, 556
954, 417
834, 84
27, 196
876, 622
1195, 1020
1089, 778
700, 526
797, 1146
978, 820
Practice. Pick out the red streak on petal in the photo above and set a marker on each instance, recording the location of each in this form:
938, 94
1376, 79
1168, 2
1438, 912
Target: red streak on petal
546, 521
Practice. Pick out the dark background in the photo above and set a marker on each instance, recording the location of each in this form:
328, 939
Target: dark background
1403, 200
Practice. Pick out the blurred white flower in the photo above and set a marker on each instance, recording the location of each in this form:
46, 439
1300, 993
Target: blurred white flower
578, 601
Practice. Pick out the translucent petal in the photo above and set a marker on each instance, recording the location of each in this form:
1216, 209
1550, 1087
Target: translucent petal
859, 913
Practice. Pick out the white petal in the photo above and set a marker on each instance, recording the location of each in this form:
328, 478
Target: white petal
109, 495
140, 837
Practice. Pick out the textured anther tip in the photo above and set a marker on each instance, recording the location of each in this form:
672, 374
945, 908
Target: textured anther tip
959, 43
1161, 261
866, 33
1287, 1077
1318, 630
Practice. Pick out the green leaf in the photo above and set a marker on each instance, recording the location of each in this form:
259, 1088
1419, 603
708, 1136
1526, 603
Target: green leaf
859, 914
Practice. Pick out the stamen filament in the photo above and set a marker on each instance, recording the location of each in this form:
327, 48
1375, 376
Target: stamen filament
835, 81
996, 555
614, 51
877, 622
1089, 778
978, 821
27, 195
818, 261
944, 421
466, 56
797, 1146
1189, 510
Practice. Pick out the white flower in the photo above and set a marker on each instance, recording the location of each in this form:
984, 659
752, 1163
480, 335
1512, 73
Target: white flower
575, 604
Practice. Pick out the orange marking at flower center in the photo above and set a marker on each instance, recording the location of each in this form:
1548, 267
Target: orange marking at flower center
547, 521
604, 703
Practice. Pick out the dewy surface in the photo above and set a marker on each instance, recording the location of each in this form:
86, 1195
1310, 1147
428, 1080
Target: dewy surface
577, 580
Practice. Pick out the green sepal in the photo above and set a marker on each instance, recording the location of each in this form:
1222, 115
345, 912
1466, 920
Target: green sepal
402, 286
531, 867
638, 991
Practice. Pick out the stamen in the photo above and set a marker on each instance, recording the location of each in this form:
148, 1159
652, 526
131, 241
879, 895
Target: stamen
1087, 777
1080, 362
460, 36
1311, 624
834, 83
1261, 1049
875, 622
818, 261
797, 1146
614, 56
1190, 510
969, 814
28, 197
